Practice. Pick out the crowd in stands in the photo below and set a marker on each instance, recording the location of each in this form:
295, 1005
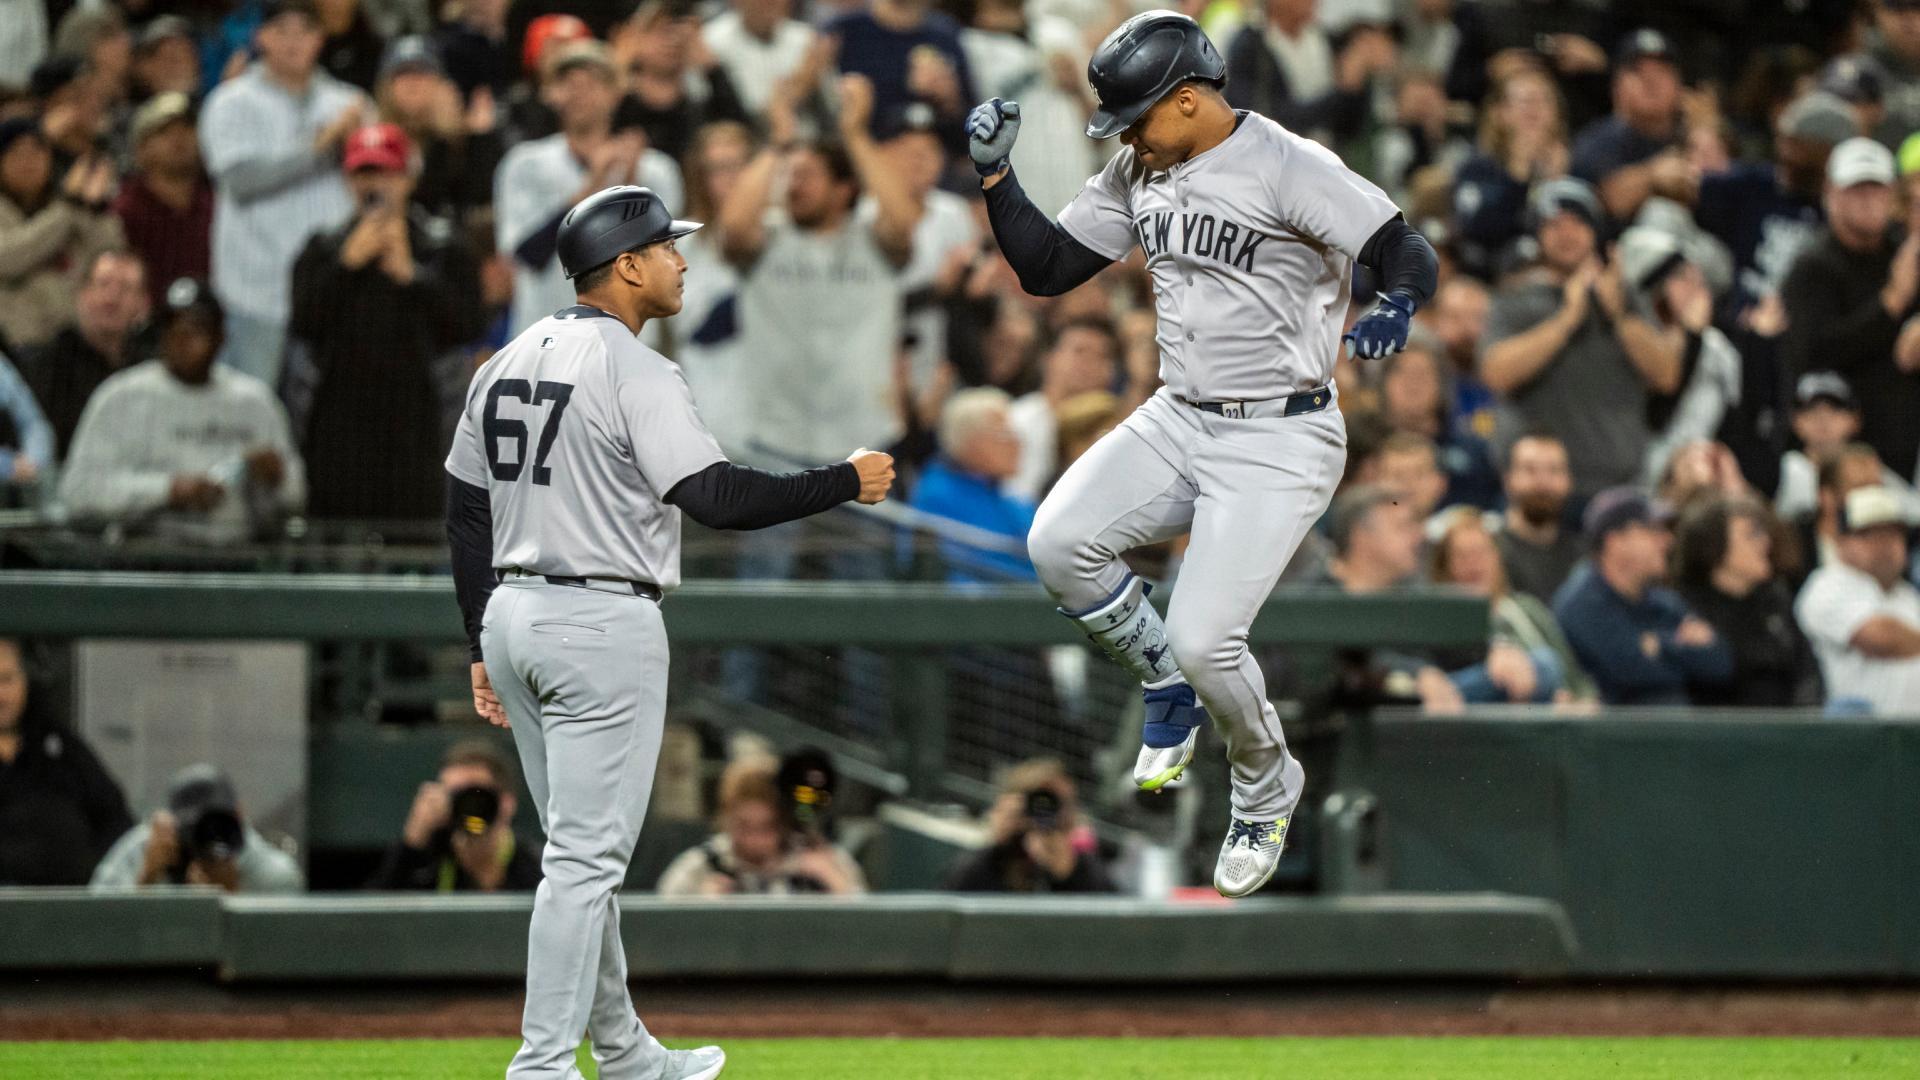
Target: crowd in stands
1663, 411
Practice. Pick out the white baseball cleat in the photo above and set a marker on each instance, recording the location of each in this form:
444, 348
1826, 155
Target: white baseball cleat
1249, 856
1174, 717
702, 1064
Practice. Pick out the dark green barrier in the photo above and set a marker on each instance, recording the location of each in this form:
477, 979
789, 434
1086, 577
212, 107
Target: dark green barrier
1100, 940
1696, 846
899, 615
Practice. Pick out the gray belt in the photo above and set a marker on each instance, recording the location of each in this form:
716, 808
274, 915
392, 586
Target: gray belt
1306, 401
646, 589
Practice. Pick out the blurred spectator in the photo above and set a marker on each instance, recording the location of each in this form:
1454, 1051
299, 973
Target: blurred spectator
1523, 141
1562, 345
458, 142
1024, 53
59, 808
202, 837
23, 39
1405, 464
979, 453
759, 44
708, 344
1458, 317
271, 136
194, 449
1376, 548
530, 114
351, 51
109, 309
474, 46
1465, 555
1893, 47
675, 85
374, 304
1415, 399
1669, 291
909, 52
165, 205
1851, 299
1080, 421
945, 239
48, 232
1766, 212
539, 181
1852, 467
1636, 637
459, 832
26, 438
1636, 152
1036, 842
820, 287
96, 36
1826, 420
1862, 615
759, 849
1283, 66
166, 61
1860, 83
1724, 569
1702, 469
1084, 358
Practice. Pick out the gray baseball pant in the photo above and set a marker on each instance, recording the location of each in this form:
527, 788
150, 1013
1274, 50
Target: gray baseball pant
582, 673
1247, 490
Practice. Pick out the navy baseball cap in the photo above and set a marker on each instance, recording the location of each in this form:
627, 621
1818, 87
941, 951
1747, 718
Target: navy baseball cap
1644, 43
1618, 507
410, 53
1827, 386
1856, 80
187, 296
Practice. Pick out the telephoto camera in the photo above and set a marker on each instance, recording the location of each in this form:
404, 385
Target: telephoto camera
806, 780
206, 816
473, 811
1043, 810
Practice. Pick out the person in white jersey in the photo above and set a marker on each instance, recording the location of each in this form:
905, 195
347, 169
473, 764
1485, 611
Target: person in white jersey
1250, 233
577, 452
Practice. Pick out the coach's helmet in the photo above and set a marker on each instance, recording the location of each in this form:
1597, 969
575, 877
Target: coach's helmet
612, 222
1142, 61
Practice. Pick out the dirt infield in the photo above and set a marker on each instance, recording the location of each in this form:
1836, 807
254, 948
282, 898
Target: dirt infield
142, 1009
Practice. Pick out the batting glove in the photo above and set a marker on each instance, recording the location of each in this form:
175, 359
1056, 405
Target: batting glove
991, 129
1383, 330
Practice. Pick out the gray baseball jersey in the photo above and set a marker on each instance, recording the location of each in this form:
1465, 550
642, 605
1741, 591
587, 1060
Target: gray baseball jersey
578, 431
1251, 247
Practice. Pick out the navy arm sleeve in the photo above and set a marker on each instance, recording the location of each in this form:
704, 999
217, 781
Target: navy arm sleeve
728, 496
1048, 259
536, 251
1402, 260
470, 535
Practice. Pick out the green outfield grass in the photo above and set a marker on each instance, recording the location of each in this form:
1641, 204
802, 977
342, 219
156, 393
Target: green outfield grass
1008, 1059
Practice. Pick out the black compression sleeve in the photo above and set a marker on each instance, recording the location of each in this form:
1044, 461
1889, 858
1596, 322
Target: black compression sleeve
1048, 260
728, 496
470, 535
1403, 260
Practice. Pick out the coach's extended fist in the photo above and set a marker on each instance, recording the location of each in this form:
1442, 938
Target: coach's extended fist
991, 129
876, 474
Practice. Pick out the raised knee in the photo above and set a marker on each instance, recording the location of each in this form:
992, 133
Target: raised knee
1056, 552
1200, 644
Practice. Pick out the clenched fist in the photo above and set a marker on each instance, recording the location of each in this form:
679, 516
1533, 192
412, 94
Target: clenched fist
876, 474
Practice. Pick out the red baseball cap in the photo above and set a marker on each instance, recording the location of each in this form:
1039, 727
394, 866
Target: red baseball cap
549, 30
378, 146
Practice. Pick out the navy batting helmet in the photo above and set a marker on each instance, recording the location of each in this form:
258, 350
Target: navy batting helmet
1142, 61
610, 223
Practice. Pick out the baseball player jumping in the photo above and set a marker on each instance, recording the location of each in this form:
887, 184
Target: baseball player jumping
578, 450
1250, 234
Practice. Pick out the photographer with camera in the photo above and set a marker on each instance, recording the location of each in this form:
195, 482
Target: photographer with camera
459, 833
201, 838
1037, 841
774, 824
